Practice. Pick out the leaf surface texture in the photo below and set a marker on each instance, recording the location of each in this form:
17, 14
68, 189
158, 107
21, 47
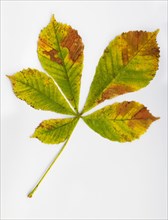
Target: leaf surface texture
123, 122
39, 91
55, 131
60, 51
128, 64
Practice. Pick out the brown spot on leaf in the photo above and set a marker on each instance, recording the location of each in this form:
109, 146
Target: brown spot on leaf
125, 56
113, 91
124, 108
74, 44
42, 43
144, 114
152, 51
135, 39
46, 126
46, 82
155, 51
52, 53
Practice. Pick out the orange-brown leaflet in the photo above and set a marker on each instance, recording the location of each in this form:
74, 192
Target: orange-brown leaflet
144, 114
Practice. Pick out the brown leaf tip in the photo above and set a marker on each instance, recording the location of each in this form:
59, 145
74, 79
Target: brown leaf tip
135, 41
144, 114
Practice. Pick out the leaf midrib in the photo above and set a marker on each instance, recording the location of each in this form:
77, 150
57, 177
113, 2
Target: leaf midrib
127, 119
65, 70
55, 128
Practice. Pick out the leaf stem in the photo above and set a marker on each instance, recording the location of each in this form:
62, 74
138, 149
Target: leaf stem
48, 169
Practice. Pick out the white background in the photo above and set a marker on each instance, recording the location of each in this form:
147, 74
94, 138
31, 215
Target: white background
94, 178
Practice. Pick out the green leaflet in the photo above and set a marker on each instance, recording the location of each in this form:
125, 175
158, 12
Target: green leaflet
39, 91
55, 131
121, 122
60, 51
128, 64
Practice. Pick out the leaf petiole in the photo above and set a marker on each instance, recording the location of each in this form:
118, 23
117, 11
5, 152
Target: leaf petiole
48, 169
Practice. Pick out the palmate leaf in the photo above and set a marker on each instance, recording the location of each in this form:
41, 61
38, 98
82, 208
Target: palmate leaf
121, 122
128, 64
60, 51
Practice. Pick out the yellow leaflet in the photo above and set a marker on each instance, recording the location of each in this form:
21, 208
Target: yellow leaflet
60, 51
121, 122
55, 131
39, 91
128, 64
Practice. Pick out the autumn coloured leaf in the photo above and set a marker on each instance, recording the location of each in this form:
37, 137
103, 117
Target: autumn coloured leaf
55, 131
39, 91
121, 122
60, 51
128, 64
